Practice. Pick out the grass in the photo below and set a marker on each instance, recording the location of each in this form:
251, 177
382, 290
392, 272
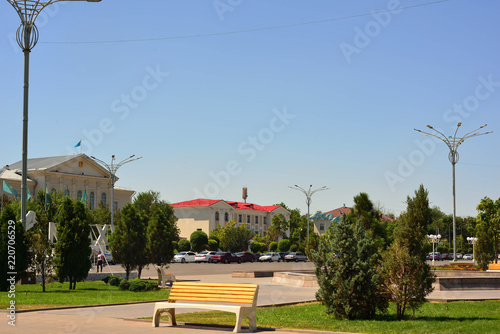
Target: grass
86, 293
458, 317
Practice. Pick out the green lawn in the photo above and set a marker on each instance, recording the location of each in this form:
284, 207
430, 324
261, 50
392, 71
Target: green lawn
458, 317
86, 293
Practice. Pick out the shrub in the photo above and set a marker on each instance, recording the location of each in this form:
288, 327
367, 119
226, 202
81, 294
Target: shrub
114, 280
213, 244
137, 285
198, 240
284, 245
273, 246
263, 247
255, 247
124, 285
106, 279
294, 248
184, 245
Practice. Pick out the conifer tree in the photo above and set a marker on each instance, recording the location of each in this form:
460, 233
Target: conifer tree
346, 267
407, 276
72, 261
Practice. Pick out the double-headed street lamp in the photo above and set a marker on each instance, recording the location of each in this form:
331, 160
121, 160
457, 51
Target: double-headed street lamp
27, 37
434, 239
472, 241
453, 143
308, 194
112, 169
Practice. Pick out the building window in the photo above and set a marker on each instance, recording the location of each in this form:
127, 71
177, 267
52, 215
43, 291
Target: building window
248, 219
265, 221
240, 218
199, 229
92, 200
321, 227
256, 219
103, 199
226, 217
216, 215
79, 195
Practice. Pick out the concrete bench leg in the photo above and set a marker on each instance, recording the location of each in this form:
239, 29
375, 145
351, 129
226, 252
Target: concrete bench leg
171, 316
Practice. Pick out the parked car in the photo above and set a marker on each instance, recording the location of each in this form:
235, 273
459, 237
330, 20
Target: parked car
224, 257
282, 255
436, 255
184, 257
270, 257
468, 257
295, 256
246, 256
459, 256
204, 256
109, 258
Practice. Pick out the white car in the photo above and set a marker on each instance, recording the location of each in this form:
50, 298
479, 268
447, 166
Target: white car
468, 257
204, 256
270, 257
184, 257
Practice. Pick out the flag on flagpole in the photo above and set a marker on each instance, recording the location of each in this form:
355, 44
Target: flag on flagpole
79, 144
66, 192
29, 193
47, 199
8, 188
84, 197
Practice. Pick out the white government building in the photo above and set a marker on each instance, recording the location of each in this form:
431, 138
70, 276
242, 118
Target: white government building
72, 175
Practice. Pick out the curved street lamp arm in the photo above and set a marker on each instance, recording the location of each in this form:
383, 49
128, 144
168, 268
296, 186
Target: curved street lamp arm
319, 189
444, 139
123, 162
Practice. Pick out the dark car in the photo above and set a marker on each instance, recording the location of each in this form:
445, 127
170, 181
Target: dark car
224, 257
246, 256
282, 255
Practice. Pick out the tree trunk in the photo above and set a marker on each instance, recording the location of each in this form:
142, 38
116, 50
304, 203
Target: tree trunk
139, 271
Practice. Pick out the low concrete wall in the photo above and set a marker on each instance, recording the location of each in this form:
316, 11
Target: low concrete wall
465, 273
300, 280
467, 283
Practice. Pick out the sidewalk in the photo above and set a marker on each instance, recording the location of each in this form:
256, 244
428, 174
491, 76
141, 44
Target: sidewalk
123, 319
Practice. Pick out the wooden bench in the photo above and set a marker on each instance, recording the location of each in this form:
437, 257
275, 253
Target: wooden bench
240, 299
462, 265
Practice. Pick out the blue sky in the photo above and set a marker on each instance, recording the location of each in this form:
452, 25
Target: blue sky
220, 95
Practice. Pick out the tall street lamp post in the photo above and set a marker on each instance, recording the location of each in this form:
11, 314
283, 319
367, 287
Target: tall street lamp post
27, 37
112, 169
453, 143
434, 239
308, 194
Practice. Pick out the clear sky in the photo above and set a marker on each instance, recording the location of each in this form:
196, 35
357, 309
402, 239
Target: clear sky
220, 95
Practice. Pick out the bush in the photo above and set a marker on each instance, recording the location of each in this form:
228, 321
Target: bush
184, 245
198, 240
124, 285
213, 244
255, 247
106, 279
115, 280
273, 246
284, 245
263, 247
294, 248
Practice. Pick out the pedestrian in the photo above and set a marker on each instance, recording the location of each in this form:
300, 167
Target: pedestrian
100, 258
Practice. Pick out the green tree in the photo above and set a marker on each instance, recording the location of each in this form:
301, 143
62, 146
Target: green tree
72, 248
184, 245
273, 246
346, 265
42, 258
278, 228
487, 232
284, 245
128, 241
407, 276
13, 247
162, 234
233, 238
198, 240
213, 244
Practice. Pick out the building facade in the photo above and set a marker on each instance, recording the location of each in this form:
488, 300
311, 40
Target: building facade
207, 214
77, 176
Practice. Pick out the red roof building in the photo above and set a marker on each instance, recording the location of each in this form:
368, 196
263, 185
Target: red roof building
208, 214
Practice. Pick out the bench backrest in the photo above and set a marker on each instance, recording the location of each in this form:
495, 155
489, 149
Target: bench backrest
214, 293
